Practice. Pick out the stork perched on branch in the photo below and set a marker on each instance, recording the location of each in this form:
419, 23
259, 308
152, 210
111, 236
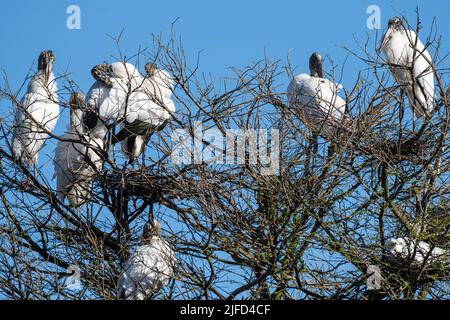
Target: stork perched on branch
317, 99
122, 94
150, 108
411, 64
77, 163
37, 113
106, 101
149, 268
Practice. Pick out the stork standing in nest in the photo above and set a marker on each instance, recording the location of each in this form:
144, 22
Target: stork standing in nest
408, 249
317, 99
38, 112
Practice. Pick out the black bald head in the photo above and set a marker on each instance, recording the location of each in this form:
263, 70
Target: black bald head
102, 73
316, 65
76, 101
45, 61
150, 230
395, 23
150, 69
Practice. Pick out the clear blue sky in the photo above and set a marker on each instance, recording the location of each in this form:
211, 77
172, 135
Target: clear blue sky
229, 33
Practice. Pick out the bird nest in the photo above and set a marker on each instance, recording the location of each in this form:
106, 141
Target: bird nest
141, 183
396, 272
391, 149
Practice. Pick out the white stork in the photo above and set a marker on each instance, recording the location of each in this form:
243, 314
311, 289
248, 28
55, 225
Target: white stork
122, 93
148, 268
405, 249
411, 64
317, 98
109, 94
38, 111
76, 163
149, 109
107, 98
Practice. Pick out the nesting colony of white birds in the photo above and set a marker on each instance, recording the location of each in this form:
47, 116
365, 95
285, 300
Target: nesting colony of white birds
120, 95
323, 111
142, 105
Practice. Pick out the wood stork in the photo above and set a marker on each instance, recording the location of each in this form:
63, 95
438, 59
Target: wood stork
148, 268
109, 94
107, 97
411, 64
406, 249
38, 111
317, 98
149, 109
76, 163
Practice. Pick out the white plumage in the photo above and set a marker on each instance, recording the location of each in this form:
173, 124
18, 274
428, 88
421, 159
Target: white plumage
404, 248
411, 65
76, 163
317, 98
148, 268
41, 104
152, 101
142, 105
133, 147
109, 100
149, 108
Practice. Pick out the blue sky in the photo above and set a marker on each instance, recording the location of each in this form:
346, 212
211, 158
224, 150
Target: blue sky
229, 33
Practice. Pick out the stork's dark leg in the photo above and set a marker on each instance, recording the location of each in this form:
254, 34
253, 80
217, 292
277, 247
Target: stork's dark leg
130, 149
110, 136
123, 134
402, 105
147, 138
144, 147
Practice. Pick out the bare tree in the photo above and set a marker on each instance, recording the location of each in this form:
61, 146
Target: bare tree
305, 224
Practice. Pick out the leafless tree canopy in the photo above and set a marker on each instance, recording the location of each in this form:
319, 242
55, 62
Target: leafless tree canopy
309, 231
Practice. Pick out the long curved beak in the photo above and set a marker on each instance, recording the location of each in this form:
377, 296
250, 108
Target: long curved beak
319, 68
385, 40
48, 70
